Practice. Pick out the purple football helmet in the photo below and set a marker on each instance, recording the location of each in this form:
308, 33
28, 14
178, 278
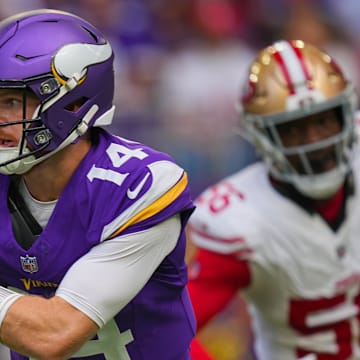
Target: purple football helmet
63, 60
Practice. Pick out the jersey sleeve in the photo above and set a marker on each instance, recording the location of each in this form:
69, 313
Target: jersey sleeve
209, 271
129, 188
166, 195
225, 222
133, 257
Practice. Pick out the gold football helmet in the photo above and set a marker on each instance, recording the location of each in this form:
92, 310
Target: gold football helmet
288, 81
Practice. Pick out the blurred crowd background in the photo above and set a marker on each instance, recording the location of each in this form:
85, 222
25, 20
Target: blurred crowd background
181, 64
180, 68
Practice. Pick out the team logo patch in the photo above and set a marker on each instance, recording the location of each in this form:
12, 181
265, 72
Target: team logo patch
29, 264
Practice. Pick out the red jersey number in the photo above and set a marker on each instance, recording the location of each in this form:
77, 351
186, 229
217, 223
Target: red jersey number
219, 197
339, 326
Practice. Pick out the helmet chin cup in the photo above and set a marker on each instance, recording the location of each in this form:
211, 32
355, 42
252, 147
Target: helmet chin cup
320, 187
13, 167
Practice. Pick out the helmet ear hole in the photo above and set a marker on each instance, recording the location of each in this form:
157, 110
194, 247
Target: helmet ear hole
76, 104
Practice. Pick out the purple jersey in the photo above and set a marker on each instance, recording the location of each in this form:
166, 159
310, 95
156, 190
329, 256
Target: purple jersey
120, 187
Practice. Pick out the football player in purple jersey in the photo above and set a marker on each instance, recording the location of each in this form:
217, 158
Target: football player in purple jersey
92, 225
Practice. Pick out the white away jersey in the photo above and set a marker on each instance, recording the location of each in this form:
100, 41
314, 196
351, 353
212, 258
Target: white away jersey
305, 278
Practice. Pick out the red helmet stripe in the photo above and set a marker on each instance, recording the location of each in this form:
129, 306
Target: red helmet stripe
300, 56
291, 61
279, 59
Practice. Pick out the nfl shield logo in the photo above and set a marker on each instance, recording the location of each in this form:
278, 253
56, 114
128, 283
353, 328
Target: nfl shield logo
29, 264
